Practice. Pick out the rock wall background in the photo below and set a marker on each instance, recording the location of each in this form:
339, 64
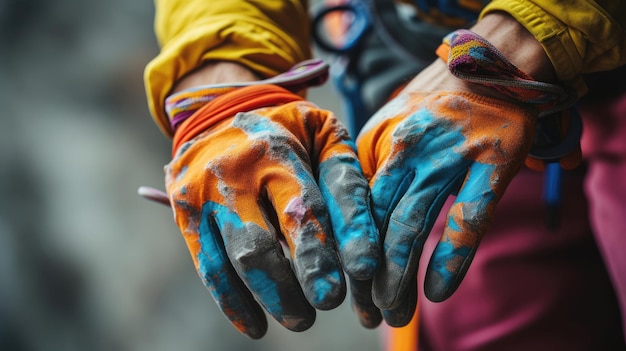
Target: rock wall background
85, 263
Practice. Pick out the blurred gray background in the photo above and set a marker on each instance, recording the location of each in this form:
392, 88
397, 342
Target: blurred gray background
85, 263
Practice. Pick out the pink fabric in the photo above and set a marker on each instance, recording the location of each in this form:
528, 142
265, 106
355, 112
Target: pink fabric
604, 143
604, 135
528, 288
607, 196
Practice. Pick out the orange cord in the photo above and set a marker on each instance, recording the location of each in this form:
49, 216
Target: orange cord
239, 100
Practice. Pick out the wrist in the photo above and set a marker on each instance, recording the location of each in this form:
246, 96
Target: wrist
517, 44
478, 64
215, 72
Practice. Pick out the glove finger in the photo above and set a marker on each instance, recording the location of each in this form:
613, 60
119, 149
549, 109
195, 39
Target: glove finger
303, 219
362, 303
264, 269
233, 298
407, 227
403, 313
283, 163
346, 192
468, 219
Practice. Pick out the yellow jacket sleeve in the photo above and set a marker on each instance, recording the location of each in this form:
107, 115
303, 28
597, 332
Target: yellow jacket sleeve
267, 36
579, 36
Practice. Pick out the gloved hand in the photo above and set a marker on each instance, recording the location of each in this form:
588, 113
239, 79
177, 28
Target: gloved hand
259, 170
444, 136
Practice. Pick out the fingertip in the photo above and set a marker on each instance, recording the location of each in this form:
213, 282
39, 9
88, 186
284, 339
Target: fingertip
448, 265
368, 314
440, 285
299, 323
326, 292
401, 315
254, 332
436, 287
250, 321
369, 317
397, 318
320, 273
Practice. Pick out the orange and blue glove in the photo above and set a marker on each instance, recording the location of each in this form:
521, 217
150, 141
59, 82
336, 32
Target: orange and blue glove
269, 195
423, 147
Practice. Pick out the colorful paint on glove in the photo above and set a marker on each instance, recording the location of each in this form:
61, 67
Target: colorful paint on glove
259, 170
418, 150
423, 147
472, 58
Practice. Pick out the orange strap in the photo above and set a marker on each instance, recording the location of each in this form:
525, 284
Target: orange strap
239, 100
404, 338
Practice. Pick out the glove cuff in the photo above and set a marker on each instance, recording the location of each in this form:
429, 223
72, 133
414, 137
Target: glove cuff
182, 105
227, 105
472, 58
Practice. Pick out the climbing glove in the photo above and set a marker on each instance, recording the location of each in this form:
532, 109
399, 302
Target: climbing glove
268, 193
424, 146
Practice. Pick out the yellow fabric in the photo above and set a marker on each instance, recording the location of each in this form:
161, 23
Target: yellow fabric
583, 37
271, 36
268, 37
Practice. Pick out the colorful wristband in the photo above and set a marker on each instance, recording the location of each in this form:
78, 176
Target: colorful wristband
182, 105
472, 58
